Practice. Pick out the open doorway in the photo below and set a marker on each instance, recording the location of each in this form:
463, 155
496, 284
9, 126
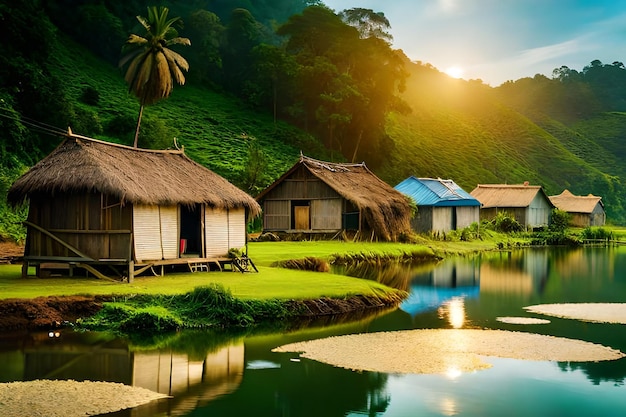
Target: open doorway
190, 230
301, 215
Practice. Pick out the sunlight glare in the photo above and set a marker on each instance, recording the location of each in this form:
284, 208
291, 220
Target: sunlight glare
453, 372
455, 72
448, 407
454, 310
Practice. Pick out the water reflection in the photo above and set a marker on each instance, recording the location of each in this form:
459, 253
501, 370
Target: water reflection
444, 288
214, 373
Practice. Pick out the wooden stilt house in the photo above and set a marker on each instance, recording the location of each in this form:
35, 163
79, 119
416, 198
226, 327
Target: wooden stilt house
110, 208
317, 197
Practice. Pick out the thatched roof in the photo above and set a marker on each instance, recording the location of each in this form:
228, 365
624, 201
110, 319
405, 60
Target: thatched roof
571, 203
507, 195
134, 175
386, 210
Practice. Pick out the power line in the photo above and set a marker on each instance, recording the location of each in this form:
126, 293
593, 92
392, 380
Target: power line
33, 124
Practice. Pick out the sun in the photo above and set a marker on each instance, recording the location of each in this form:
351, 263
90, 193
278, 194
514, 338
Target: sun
454, 72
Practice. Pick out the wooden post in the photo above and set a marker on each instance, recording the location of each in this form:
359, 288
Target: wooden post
131, 271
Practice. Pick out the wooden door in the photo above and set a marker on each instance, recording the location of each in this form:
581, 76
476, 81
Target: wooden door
301, 214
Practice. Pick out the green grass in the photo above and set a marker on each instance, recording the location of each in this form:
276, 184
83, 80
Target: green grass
267, 284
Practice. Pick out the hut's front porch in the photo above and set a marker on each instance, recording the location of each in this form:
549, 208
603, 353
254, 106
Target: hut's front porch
121, 270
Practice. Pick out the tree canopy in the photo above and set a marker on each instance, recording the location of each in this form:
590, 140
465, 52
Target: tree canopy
151, 66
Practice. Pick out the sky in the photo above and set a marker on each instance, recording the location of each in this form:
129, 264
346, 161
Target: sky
501, 40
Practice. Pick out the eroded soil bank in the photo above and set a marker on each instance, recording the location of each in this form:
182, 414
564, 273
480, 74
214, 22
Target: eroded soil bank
55, 312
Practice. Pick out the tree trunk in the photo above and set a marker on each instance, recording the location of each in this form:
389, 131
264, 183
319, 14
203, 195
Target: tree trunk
356, 148
138, 124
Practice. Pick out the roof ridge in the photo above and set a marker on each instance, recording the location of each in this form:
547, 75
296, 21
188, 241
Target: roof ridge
71, 135
331, 166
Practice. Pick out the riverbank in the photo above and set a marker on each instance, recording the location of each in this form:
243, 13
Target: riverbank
31, 302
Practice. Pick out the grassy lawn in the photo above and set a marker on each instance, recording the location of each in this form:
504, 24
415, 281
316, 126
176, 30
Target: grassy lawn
268, 283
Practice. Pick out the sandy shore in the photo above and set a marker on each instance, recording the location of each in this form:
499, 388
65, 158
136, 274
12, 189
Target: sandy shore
521, 320
437, 351
50, 398
592, 312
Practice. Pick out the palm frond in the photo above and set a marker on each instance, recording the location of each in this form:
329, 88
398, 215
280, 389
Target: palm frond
178, 41
176, 58
144, 22
130, 56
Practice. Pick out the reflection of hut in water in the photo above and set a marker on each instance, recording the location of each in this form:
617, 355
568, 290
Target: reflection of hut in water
451, 279
520, 274
190, 381
456, 273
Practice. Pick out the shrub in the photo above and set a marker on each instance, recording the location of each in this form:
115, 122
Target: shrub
121, 125
596, 233
504, 222
149, 321
90, 96
560, 221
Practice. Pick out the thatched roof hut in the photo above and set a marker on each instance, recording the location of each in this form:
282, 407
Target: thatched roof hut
133, 175
324, 197
587, 210
94, 203
528, 204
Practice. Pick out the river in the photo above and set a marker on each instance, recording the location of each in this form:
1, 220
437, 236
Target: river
217, 374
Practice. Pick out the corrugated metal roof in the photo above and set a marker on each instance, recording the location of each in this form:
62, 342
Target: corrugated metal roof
571, 203
436, 192
505, 195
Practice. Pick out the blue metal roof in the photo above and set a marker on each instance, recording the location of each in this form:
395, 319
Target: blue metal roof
436, 192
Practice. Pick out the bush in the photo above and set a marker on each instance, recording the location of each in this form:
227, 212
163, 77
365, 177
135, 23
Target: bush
149, 321
90, 96
560, 221
155, 134
505, 223
596, 233
122, 126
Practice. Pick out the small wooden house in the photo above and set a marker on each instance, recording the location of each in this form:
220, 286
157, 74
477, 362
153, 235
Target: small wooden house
328, 198
585, 210
528, 204
107, 207
441, 204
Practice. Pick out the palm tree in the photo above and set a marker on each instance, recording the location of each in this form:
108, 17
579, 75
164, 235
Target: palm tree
152, 66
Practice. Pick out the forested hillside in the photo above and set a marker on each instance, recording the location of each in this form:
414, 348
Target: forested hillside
268, 79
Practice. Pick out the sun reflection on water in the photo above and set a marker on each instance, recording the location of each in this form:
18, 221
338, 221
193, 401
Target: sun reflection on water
454, 311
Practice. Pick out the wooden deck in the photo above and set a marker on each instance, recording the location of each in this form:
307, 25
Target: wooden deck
123, 270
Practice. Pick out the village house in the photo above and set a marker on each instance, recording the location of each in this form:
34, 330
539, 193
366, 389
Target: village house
114, 209
441, 204
527, 204
325, 198
585, 210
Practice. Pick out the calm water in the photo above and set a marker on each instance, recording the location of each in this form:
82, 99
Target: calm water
211, 374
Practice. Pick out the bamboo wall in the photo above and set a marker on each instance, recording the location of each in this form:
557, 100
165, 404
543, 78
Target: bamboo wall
95, 224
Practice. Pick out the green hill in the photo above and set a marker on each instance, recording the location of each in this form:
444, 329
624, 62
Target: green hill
462, 130
549, 132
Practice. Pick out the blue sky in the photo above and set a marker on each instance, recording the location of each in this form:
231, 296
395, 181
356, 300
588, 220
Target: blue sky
500, 40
